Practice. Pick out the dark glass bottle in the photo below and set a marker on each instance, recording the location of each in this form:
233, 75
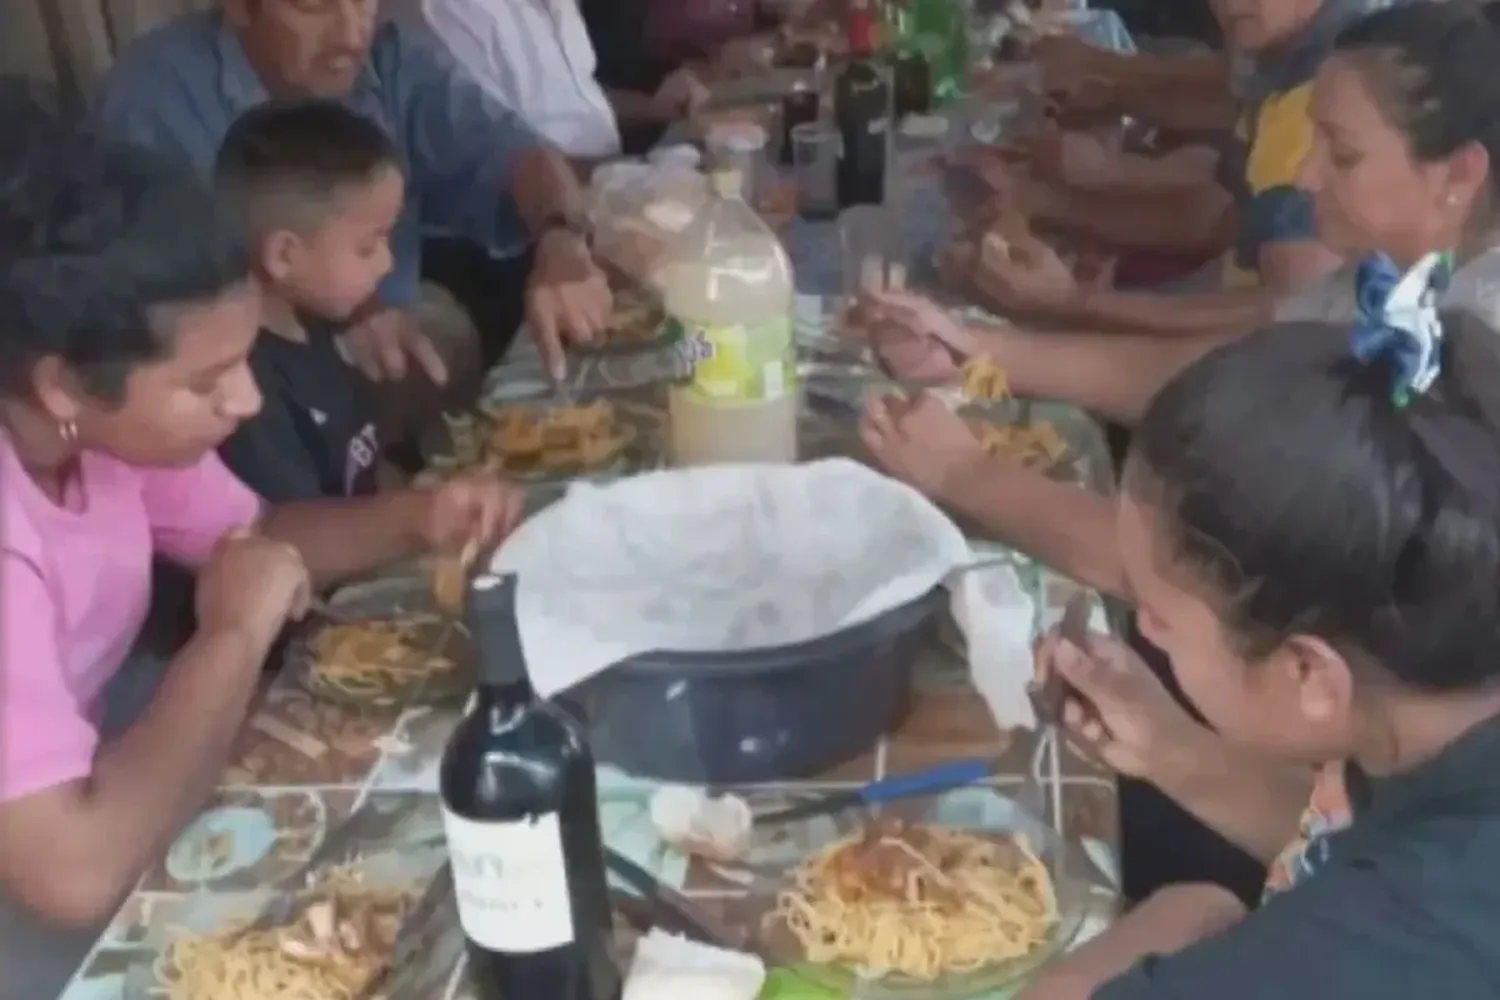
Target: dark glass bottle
521, 813
911, 80
861, 109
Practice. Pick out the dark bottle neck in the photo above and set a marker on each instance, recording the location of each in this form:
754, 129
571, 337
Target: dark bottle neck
504, 702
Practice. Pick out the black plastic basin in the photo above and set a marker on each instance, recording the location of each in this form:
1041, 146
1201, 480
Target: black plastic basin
757, 715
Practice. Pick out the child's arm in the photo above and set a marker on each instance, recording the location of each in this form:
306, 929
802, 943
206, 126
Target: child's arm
1167, 922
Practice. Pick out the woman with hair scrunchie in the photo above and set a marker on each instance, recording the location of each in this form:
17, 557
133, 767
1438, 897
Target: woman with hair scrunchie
1310, 526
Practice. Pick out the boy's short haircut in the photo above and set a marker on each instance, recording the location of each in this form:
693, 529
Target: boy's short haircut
283, 164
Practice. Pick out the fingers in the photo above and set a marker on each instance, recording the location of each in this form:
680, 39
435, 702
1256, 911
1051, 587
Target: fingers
1089, 737
1102, 675
898, 304
427, 357
878, 423
390, 354
512, 512
544, 325
1043, 651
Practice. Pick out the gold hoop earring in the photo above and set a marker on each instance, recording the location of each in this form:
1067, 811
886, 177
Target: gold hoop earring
68, 431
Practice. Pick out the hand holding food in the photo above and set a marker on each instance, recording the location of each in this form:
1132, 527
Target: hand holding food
922, 442
469, 509
1020, 271
915, 337
1118, 711
253, 585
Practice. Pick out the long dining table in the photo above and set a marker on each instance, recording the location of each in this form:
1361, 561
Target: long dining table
317, 783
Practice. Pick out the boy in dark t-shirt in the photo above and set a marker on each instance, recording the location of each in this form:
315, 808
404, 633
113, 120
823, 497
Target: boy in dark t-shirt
319, 188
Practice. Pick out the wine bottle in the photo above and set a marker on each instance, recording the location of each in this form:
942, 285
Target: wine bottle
521, 814
861, 108
911, 73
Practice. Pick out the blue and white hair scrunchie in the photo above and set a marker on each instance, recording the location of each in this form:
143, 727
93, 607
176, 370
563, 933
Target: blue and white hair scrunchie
1396, 318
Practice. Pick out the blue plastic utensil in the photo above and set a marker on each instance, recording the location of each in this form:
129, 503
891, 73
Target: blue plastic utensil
942, 778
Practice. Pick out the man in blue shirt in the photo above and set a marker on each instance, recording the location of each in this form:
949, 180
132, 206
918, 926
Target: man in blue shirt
474, 169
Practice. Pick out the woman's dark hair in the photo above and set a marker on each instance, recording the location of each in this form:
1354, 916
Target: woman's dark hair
96, 239
1432, 69
1291, 483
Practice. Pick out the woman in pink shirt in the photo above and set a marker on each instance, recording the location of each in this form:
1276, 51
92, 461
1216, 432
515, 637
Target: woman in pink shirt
127, 316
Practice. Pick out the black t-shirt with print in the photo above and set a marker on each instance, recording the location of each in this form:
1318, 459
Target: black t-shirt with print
314, 435
1405, 902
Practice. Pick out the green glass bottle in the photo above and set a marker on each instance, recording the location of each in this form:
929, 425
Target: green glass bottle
938, 29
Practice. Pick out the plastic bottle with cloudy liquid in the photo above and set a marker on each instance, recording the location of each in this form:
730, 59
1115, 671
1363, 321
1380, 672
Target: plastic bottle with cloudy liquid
726, 286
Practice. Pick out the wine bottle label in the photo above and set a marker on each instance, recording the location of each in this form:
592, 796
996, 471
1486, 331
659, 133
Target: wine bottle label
511, 881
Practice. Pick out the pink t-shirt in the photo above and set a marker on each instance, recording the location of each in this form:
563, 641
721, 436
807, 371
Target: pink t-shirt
75, 583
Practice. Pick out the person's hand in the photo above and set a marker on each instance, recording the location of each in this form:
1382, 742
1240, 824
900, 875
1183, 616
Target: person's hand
1012, 186
680, 96
1073, 158
956, 263
567, 298
1021, 271
1116, 710
386, 344
1076, 75
915, 337
252, 585
746, 56
474, 509
921, 442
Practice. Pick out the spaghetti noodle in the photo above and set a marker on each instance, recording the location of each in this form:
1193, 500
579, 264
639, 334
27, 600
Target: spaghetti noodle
919, 902
335, 948
376, 660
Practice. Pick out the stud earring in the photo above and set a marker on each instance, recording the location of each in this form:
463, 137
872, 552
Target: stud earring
68, 431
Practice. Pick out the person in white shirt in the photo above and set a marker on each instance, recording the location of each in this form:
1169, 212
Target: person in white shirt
536, 57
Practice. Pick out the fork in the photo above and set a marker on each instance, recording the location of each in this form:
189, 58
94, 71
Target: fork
1047, 698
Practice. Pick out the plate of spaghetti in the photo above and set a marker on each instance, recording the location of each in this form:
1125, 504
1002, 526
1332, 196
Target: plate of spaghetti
389, 648
922, 909
335, 944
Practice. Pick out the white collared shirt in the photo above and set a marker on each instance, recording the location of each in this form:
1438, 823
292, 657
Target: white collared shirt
536, 57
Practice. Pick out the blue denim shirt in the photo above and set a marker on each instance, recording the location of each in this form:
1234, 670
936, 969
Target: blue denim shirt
180, 87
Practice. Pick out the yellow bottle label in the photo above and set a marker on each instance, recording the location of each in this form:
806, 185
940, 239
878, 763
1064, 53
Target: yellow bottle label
739, 364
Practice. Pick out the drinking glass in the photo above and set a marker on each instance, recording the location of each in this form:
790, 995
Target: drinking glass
815, 149
742, 149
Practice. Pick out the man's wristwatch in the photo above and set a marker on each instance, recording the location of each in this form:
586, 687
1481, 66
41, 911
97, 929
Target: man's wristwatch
572, 223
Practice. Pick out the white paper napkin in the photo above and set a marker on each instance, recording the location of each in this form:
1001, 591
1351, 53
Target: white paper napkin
667, 967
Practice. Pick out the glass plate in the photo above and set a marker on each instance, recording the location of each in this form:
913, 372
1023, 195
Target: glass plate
984, 812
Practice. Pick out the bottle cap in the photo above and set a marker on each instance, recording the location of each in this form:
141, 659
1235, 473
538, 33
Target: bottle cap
727, 182
491, 619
